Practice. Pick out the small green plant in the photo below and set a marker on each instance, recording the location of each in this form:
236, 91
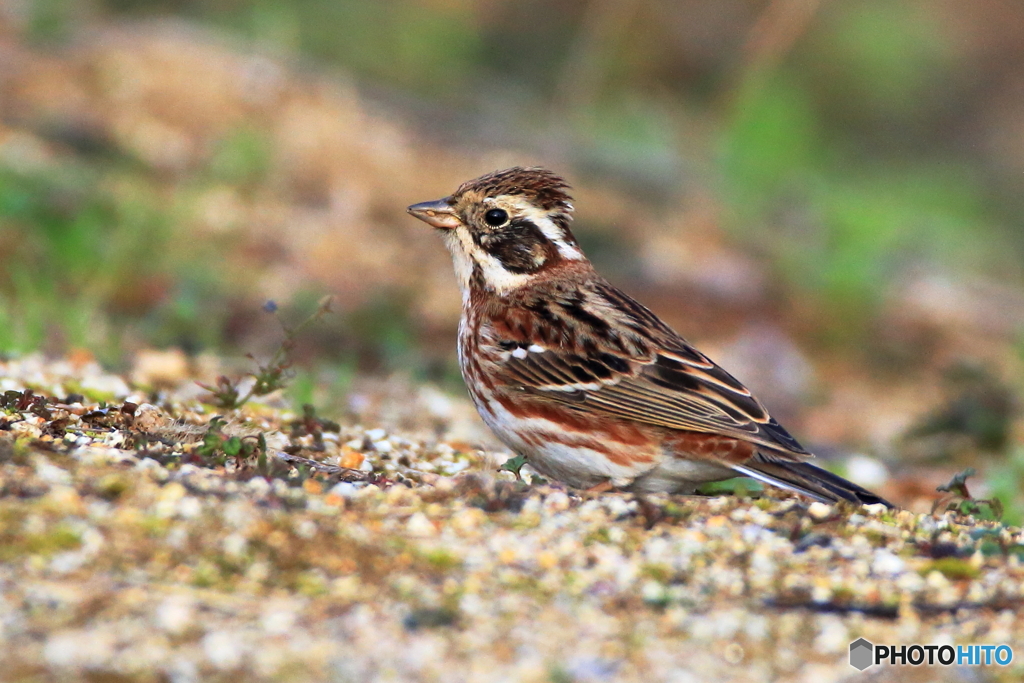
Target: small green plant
514, 465
268, 377
217, 447
958, 498
24, 402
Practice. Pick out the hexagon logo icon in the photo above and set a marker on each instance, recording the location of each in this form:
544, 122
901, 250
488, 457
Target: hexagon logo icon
861, 654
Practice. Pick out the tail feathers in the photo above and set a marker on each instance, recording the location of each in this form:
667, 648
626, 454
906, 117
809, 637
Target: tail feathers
810, 480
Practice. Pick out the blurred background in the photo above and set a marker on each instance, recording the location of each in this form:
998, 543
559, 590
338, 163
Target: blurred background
827, 197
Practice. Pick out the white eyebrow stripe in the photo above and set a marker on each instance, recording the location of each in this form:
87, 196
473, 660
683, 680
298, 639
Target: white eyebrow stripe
568, 251
547, 226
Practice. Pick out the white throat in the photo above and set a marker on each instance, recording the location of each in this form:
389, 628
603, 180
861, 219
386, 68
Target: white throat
465, 253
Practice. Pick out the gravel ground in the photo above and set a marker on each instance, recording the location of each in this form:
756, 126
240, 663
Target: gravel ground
135, 547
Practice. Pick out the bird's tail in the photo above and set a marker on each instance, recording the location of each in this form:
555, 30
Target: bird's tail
810, 480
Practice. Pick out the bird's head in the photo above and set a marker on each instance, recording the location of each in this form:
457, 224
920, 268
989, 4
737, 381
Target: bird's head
505, 228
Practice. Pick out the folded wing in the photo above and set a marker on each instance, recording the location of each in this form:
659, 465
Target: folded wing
676, 388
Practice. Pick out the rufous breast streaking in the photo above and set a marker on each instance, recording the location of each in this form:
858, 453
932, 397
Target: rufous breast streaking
584, 381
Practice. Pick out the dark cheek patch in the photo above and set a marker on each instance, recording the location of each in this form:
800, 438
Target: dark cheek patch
520, 247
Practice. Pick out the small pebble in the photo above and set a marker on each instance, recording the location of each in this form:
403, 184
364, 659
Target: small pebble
819, 512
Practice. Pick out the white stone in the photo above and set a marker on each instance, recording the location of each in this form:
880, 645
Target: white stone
653, 592
886, 563
819, 512
190, 507
223, 649
420, 525
343, 489
556, 502
235, 545
25, 430
833, 636
50, 473
175, 614
276, 440
911, 582
866, 471
278, 620
79, 649
306, 529
259, 486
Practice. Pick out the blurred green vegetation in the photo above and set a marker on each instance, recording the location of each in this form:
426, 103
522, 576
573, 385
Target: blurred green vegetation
73, 255
1006, 480
242, 159
840, 225
837, 165
832, 159
91, 261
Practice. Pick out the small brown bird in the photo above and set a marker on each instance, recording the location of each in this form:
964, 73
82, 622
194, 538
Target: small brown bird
588, 384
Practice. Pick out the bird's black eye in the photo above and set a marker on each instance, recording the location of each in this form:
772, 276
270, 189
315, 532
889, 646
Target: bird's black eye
495, 217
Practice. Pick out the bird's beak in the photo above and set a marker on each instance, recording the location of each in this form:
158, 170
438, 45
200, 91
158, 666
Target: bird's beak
437, 213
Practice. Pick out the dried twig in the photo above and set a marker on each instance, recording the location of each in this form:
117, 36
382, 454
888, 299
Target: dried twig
345, 473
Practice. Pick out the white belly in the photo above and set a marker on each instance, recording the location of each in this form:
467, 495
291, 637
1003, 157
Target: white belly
675, 475
576, 466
